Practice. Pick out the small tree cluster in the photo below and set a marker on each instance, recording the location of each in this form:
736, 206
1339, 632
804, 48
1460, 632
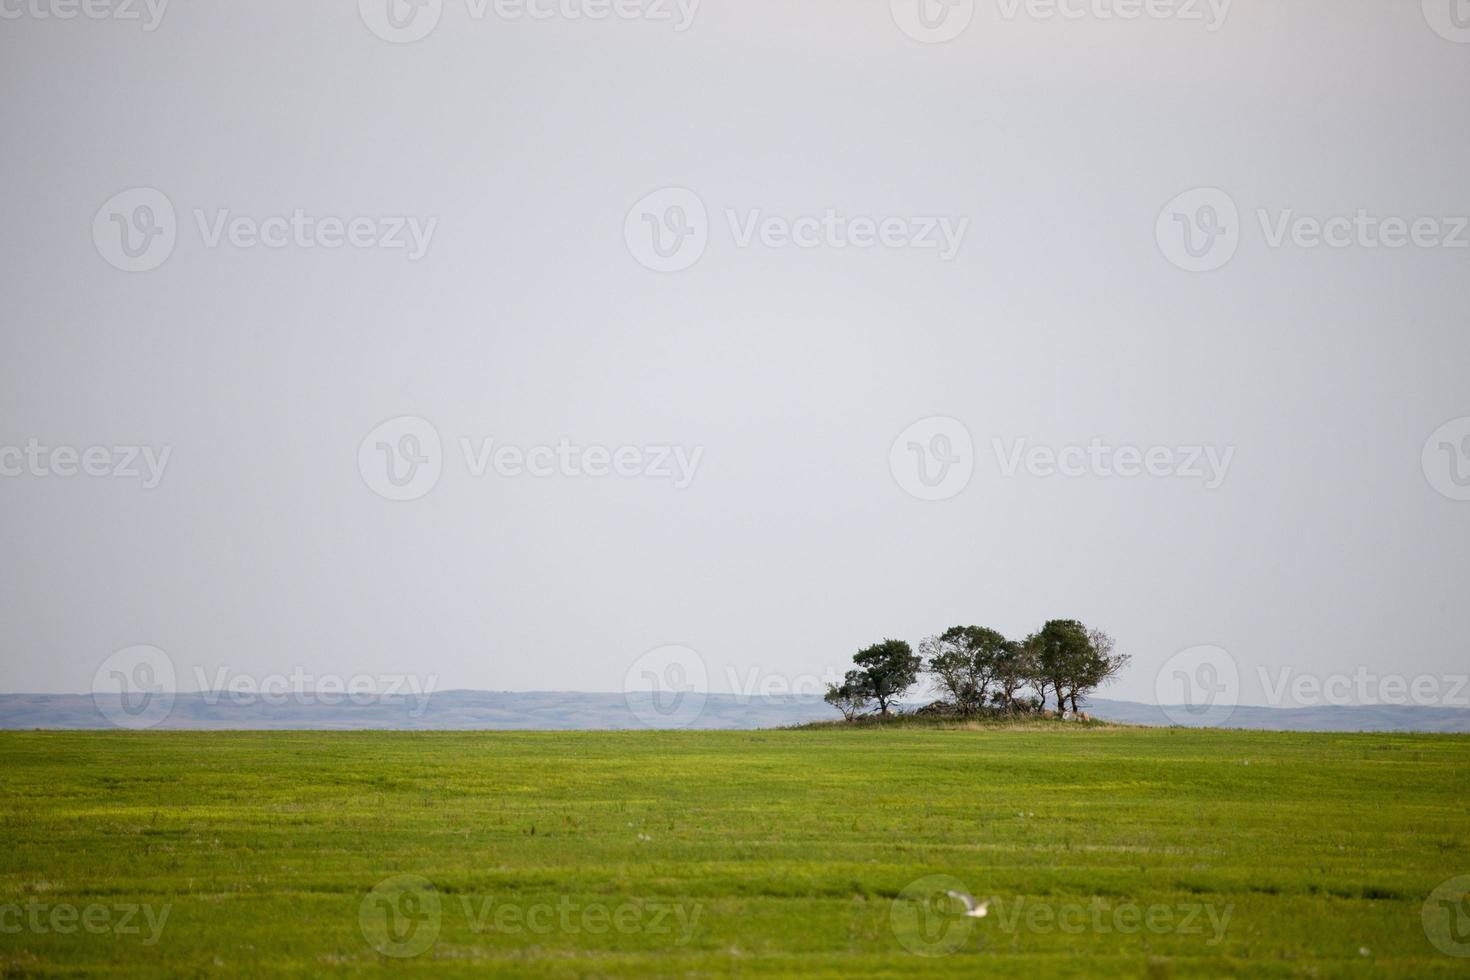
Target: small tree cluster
978, 669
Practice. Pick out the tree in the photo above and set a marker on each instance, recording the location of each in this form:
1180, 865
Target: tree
1099, 666
1036, 676
964, 659
850, 697
1015, 665
888, 670
1063, 654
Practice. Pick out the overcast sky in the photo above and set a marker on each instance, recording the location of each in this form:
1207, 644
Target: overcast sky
815, 431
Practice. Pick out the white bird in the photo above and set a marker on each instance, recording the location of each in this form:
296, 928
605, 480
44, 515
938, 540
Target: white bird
973, 909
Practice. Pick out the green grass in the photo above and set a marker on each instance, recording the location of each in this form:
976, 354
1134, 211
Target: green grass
734, 853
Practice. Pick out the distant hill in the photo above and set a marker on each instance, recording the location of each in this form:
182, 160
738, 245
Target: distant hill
551, 710
1328, 718
444, 710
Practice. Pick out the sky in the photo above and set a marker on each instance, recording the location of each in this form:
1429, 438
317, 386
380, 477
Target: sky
510, 346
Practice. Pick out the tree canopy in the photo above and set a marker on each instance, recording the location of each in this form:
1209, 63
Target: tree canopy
886, 671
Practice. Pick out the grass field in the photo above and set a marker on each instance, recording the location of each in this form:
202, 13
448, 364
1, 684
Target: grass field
1110, 852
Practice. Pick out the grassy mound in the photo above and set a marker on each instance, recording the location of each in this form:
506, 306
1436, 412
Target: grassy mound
938, 720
